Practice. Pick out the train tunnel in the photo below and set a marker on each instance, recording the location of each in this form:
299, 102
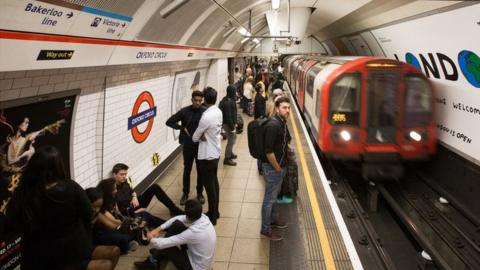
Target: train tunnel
107, 83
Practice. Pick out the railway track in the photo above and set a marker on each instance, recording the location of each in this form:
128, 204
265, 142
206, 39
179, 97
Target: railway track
450, 244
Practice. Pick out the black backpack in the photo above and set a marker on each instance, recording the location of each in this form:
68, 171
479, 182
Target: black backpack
256, 138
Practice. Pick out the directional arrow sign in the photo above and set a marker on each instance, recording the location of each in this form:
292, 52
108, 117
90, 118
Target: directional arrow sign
70, 15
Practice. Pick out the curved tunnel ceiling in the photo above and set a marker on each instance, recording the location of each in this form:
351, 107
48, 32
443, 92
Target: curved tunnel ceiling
202, 23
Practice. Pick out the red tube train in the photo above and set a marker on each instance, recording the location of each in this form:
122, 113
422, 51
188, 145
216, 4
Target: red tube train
378, 111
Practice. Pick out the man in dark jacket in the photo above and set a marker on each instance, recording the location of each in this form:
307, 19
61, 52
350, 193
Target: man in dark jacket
189, 117
229, 111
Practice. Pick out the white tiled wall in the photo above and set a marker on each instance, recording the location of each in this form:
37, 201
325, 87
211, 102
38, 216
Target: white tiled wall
119, 145
217, 77
96, 148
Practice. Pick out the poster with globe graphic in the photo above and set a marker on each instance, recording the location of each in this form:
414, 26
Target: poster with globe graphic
450, 58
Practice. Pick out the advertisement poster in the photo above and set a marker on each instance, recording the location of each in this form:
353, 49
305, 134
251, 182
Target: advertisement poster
23, 129
450, 57
185, 83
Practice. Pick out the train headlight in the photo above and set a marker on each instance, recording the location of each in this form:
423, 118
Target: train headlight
345, 135
415, 136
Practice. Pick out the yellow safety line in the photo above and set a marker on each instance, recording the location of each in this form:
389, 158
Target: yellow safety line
322, 233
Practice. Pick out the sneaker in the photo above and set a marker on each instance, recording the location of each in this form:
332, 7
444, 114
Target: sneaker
279, 225
234, 156
271, 235
201, 199
285, 200
229, 162
145, 265
183, 199
133, 245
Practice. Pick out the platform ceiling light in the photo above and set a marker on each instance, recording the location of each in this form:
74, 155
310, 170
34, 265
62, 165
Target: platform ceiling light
256, 40
243, 31
245, 39
172, 7
275, 4
415, 136
345, 135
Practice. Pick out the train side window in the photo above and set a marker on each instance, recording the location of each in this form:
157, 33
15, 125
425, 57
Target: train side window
312, 73
317, 104
344, 105
418, 101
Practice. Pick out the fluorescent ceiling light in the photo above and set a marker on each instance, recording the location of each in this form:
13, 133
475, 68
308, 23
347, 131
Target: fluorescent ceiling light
256, 40
275, 4
245, 39
242, 31
174, 5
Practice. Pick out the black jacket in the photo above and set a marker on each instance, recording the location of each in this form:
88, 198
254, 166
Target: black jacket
189, 118
259, 106
277, 139
229, 107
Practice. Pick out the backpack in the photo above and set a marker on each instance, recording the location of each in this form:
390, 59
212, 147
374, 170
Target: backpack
256, 138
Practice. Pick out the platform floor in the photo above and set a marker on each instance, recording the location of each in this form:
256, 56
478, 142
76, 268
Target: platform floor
306, 245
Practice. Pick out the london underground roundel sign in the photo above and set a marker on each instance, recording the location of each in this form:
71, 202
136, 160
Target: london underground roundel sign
138, 118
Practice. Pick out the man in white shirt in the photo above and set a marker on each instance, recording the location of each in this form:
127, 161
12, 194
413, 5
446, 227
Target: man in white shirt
193, 229
209, 149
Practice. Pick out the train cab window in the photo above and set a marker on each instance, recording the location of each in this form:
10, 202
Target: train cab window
345, 100
418, 102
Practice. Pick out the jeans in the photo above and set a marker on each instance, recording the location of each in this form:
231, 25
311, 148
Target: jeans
189, 155
273, 184
208, 172
104, 237
231, 138
152, 221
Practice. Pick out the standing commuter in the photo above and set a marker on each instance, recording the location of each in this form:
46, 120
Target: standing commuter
209, 150
229, 112
276, 147
189, 117
247, 94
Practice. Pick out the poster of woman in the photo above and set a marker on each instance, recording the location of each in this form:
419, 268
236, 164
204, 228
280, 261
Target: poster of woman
24, 128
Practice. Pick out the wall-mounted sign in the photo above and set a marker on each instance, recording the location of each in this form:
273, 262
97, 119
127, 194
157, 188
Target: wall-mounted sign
61, 18
155, 159
55, 55
138, 118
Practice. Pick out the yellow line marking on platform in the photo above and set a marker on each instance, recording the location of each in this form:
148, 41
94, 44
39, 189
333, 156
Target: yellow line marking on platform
322, 233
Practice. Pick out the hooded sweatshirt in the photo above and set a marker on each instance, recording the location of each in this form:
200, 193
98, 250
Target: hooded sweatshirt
229, 107
200, 237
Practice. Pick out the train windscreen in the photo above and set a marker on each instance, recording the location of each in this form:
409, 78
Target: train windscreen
418, 102
344, 104
382, 106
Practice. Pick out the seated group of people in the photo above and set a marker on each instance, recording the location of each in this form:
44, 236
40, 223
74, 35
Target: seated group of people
64, 227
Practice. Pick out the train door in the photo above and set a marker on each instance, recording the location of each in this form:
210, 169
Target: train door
383, 109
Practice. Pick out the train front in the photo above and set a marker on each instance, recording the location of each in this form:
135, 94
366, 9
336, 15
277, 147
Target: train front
395, 116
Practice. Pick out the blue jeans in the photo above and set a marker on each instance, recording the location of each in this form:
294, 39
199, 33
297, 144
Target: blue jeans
273, 184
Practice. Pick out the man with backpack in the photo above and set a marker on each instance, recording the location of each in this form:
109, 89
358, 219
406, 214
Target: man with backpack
228, 107
274, 163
